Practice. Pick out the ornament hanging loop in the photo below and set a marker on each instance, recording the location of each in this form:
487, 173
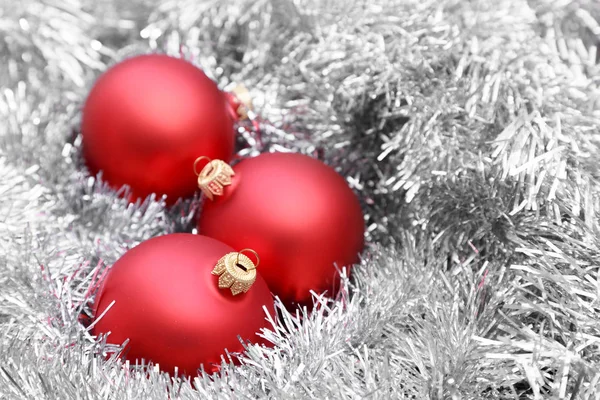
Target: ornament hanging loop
255, 265
197, 161
213, 177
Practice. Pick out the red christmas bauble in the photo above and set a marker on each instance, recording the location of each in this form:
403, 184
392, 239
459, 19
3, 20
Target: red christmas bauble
298, 214
148, 118
168, 304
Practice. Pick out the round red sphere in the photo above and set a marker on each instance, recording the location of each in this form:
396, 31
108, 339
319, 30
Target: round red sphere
298, 214
148, 118
169, 306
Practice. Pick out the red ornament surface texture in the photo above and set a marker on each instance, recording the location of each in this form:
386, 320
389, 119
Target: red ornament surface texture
168, 304
148, 118
298, 214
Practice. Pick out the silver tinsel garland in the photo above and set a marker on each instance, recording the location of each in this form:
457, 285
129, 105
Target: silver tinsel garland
470, 130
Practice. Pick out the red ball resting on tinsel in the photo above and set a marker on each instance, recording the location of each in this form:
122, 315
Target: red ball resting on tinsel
295, 211
169, 304
147, 119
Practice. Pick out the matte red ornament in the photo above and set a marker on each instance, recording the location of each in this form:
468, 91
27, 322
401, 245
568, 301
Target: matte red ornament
298, 214
168, 303
148, 118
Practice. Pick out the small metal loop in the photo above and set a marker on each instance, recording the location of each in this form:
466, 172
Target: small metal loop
237, 260
196, 163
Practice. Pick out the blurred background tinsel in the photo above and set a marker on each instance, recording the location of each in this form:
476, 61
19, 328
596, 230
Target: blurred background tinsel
470, 129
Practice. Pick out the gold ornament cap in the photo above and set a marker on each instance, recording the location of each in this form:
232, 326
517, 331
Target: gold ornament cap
236, 271
242, 94
215, 175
